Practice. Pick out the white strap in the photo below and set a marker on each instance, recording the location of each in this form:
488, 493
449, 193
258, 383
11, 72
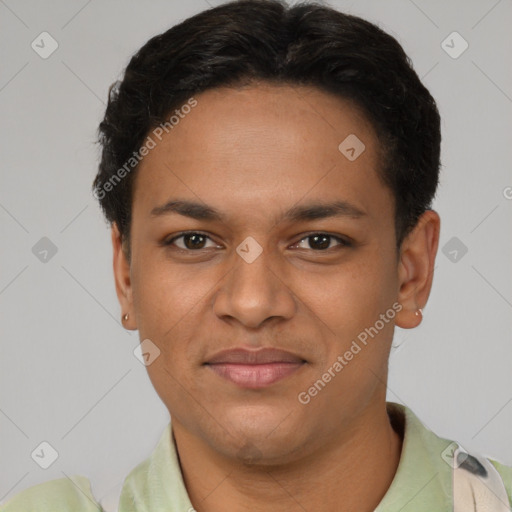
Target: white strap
477, 485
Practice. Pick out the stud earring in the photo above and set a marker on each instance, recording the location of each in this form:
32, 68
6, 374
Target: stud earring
419, 313
125, 317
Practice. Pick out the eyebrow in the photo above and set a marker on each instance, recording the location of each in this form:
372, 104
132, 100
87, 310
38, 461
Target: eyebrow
307, 212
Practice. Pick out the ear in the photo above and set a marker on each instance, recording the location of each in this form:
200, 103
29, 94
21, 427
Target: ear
416, 269
122, 279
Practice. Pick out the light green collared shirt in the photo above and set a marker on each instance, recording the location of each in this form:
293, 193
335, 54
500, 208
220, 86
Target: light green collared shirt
423, 481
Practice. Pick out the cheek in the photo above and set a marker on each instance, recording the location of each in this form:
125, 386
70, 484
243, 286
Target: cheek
350, 300
349, 291
172, 311
165, 294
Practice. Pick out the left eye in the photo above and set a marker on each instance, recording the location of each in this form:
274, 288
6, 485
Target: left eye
322, 241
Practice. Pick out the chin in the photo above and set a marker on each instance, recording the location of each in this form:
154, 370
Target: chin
263, 453
260, 436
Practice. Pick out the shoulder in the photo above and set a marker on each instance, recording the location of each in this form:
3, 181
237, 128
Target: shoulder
506, 475
59, 495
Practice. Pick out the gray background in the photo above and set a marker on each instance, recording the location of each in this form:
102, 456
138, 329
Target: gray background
67, 369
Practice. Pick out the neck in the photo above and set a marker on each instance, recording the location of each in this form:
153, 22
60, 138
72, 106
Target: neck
352, 474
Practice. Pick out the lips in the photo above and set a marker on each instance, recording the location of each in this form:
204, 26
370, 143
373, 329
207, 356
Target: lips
254, 369
261, 356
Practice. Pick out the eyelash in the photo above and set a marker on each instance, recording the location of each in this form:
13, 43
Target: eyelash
342, 241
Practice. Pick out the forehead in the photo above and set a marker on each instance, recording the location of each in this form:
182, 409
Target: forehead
260, 147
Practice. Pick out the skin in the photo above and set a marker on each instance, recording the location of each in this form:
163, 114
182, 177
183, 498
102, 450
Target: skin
253, 153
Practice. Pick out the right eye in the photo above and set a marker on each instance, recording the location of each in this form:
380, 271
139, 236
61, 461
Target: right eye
192, 241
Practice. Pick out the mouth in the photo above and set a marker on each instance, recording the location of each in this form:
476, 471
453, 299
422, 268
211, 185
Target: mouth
255, 369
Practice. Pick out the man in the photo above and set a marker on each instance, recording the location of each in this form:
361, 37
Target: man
269, 172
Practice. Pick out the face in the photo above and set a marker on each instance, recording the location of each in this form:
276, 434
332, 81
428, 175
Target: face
267, 266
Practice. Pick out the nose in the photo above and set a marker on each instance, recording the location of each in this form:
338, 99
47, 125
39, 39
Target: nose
253, 292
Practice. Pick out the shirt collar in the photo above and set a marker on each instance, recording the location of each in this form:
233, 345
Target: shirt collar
423, 480
422, 483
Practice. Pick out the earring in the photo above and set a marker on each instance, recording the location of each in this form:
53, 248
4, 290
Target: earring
125, 317
420, 312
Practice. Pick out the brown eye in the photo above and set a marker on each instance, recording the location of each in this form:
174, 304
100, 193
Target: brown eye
191, 241
322, 241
